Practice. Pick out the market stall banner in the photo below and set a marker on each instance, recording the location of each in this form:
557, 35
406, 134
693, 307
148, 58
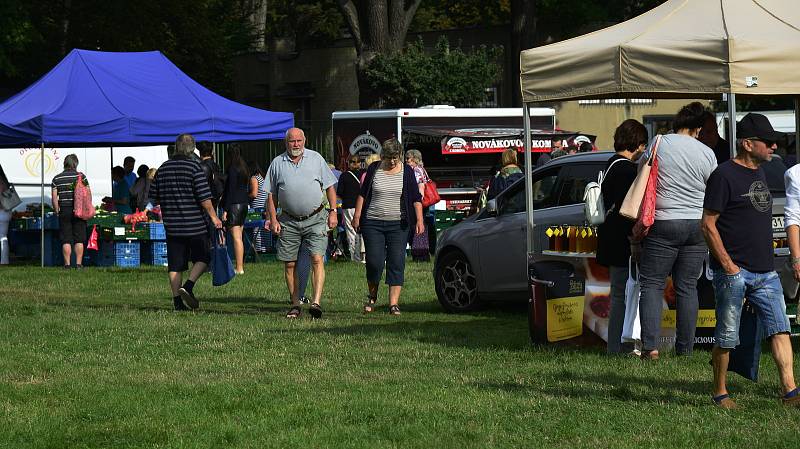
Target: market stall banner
469, 145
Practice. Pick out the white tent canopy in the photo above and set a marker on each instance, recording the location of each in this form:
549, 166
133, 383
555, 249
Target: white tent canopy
683, 48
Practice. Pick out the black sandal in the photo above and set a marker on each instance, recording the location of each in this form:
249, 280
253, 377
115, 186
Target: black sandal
315, 310
369, 306
294, 312
394, 310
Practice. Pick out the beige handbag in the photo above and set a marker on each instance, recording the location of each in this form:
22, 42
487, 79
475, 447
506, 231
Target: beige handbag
633, 199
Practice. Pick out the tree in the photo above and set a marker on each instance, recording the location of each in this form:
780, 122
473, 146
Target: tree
414, 77
378, 27
199, 36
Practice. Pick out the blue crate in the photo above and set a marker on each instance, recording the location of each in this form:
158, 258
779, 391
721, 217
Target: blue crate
104, 257
157, 232
155, 253
126, 254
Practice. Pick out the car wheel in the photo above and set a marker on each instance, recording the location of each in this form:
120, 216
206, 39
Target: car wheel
456, 283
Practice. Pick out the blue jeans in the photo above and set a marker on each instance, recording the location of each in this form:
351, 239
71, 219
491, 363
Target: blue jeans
764, 292
385, 244
616, 318
677, 247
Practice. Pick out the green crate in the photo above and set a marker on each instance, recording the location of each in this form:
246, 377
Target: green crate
124, 232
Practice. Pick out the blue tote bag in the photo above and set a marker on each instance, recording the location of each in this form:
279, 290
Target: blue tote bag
221, 266
745, 357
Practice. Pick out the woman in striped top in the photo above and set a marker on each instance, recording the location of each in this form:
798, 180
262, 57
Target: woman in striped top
388, 208
258, 200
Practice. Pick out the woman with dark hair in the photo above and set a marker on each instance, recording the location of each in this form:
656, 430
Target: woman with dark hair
388, 208
613, 245
120, 192
235, 201
675, 243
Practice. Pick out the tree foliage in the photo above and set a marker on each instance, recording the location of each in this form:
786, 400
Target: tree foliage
200, 36
310, 22
447, 75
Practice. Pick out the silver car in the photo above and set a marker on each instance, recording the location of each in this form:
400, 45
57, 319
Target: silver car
483, 258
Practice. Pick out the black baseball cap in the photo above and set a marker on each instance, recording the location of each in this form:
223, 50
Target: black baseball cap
757, 126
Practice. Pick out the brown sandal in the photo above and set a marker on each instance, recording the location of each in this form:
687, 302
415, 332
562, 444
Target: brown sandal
369, 306
294, 312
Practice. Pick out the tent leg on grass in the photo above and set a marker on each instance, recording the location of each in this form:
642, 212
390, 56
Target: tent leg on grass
41, 204
526, 117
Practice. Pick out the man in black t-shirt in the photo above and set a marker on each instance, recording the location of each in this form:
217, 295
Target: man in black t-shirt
347, 190
737, 223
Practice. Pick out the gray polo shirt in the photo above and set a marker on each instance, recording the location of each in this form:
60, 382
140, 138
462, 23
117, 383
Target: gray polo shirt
299, 187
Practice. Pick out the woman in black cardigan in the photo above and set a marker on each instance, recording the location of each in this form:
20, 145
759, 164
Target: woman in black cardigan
613, 246
388, 208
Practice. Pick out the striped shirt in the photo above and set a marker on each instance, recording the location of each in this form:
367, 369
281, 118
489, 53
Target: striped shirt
64, 183
179, 187
260, 200
387, 188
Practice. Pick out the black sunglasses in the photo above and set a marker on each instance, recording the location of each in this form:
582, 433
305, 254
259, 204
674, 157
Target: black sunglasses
768, 143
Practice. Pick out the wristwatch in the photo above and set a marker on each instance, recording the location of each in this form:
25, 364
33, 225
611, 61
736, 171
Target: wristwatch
331, 209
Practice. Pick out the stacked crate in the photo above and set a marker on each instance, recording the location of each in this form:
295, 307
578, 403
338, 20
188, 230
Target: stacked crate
154, 251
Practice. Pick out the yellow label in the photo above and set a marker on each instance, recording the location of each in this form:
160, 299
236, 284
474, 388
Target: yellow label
589, 232
569, 231
583, 233
668, 319
549, 232
706, 318
564, 318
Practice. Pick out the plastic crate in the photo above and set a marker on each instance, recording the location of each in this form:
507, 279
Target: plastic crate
126, 254
154, 253
125, 232
157, 232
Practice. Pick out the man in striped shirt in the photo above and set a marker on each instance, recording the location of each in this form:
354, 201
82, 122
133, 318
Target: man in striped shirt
72, 229
181, 189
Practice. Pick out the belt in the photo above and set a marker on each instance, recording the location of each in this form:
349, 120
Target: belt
305, 217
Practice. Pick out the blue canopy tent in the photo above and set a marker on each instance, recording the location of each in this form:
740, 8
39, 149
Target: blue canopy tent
94, 97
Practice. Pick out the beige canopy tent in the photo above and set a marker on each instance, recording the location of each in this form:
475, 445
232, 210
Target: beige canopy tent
683, 48
680, 49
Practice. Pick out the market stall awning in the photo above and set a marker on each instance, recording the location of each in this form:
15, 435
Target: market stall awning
142, 97
493, 140
682, 48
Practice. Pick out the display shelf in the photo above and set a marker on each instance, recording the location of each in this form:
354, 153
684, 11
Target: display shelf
547, 252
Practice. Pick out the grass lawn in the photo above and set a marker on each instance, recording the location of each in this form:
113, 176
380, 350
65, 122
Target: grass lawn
97, 359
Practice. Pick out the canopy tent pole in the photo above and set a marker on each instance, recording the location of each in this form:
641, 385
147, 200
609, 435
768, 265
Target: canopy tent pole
112, 159
732, 123
41, 203
526, 116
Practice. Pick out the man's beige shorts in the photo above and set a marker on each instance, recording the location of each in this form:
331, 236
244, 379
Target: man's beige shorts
312, 232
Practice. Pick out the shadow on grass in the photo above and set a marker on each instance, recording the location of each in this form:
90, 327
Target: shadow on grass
483, 333
611, 385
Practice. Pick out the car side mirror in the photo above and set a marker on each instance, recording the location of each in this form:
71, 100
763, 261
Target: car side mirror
491, 207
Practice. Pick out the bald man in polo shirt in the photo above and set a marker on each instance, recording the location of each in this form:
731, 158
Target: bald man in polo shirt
296, 182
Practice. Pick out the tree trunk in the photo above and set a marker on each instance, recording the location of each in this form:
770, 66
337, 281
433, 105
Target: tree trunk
377, 27
523, 29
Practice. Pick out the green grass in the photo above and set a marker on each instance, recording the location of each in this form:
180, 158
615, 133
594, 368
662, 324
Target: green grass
97, 359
